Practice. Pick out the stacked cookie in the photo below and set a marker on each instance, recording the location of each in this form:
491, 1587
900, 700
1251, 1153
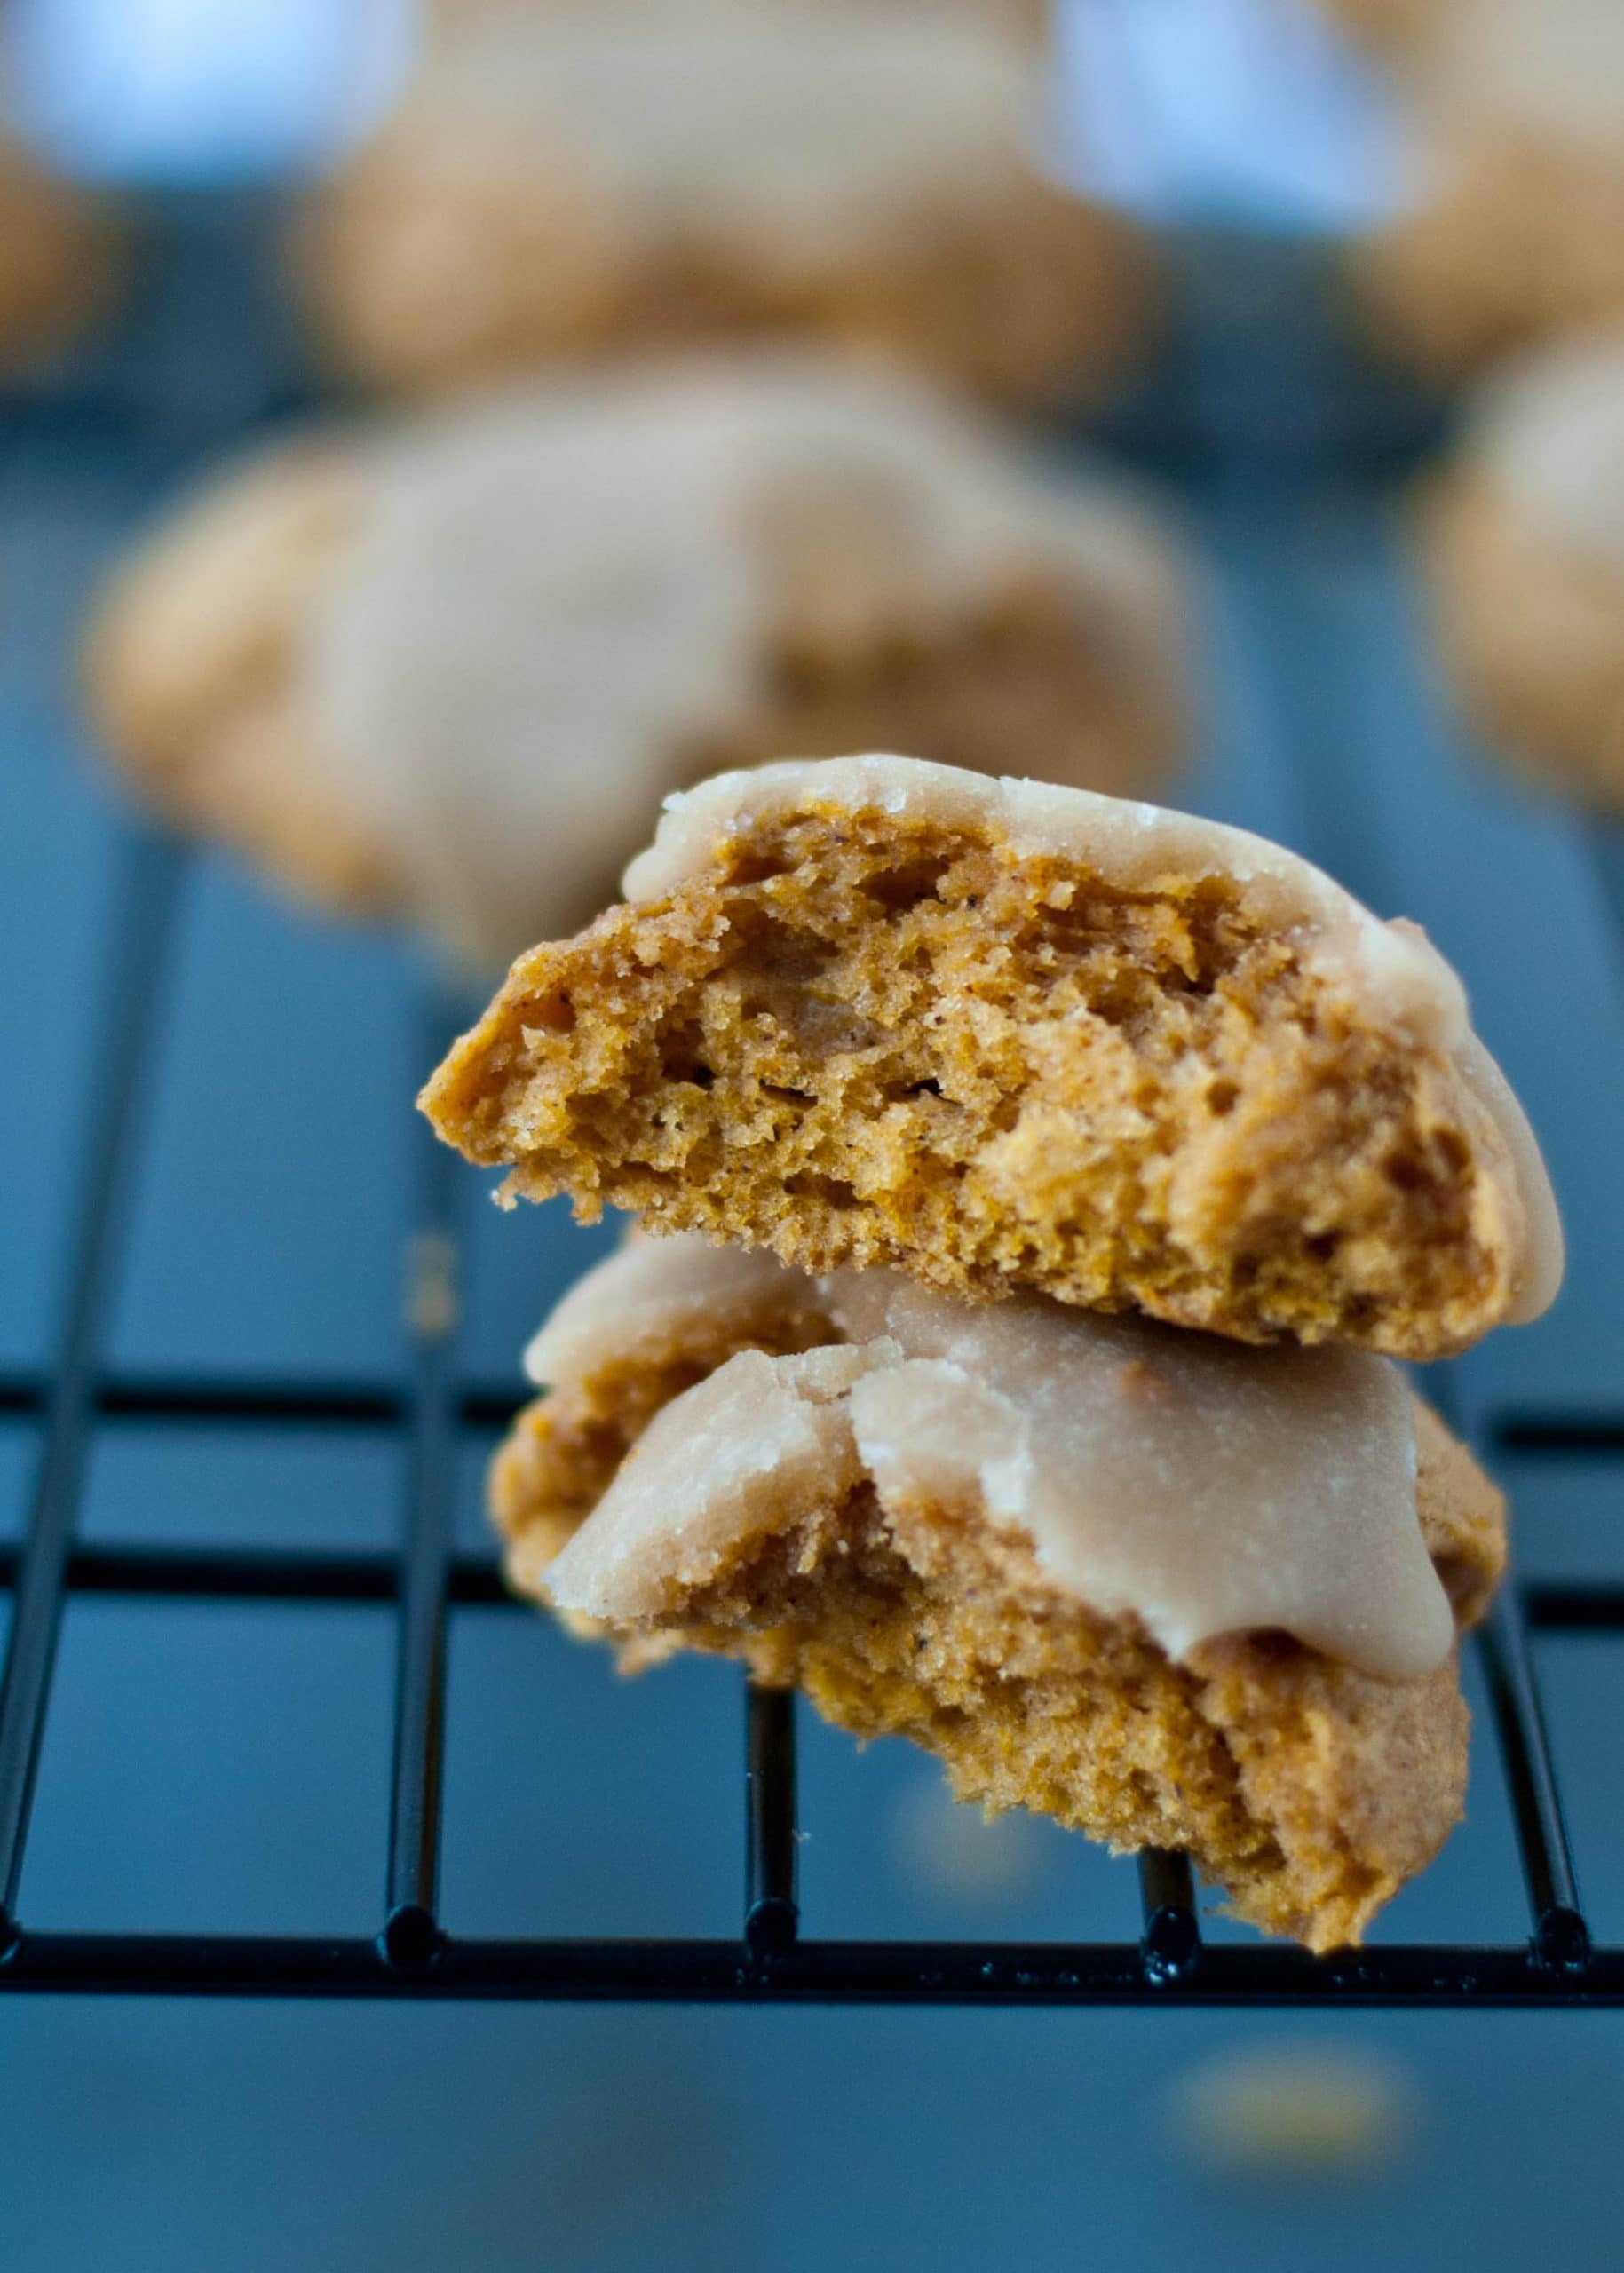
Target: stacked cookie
1049, 1183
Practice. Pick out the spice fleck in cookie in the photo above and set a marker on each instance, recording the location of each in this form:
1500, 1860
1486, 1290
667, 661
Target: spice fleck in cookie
444, 670
1524, 545
592, 179
1167, 1589
1007, 1036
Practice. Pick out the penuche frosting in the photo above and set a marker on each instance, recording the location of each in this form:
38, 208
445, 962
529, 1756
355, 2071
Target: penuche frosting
1202, 1486
1403, 982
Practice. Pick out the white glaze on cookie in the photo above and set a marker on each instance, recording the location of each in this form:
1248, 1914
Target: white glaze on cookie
555, 598
1204, 1487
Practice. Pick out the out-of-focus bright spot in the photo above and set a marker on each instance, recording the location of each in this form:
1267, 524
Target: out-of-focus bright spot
942, 1849
1241, 111
186, 90
1295, 2114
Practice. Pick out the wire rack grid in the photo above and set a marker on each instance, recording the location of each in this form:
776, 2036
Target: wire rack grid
1249, 511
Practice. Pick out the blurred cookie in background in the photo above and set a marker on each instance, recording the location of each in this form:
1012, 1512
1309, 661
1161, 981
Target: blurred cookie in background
1525, 548
1295, 2114
1509, 221
562, 181
1034, 16
443, 670
62, 249
1387, 23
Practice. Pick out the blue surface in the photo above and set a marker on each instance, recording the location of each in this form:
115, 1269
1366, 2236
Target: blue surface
227, 1767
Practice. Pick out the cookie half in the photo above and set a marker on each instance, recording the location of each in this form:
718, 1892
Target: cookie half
1063, 1554
445, 668
1003, 1036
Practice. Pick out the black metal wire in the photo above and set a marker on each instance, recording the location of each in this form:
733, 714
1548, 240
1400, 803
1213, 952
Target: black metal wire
772, 1913
1171, 1943
411, 1933
145, 891
807, 1972
246, 1404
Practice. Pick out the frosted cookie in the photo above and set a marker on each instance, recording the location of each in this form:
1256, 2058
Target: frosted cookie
1003, 1036
60, 259
1510, 220
1525, 547
446, 671
1169, 1591
589, 179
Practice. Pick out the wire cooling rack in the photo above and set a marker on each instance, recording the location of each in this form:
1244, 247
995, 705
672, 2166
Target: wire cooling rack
431, 1409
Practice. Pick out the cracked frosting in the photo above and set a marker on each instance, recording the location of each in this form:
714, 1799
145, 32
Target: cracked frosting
553, 600
1402, 980
1204, 1487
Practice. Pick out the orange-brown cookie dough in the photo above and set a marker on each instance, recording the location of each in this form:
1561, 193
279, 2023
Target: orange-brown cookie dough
593, 179
442, 670
1002, 1035
904, 1604
1524, 548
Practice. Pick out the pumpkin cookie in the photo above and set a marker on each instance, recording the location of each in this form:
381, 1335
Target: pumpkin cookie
597, 178
1525, 549
443, 670
1169, 1591
1510, 220
1005, 1036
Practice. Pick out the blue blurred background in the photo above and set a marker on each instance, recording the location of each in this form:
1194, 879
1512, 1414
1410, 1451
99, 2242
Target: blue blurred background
225, 1767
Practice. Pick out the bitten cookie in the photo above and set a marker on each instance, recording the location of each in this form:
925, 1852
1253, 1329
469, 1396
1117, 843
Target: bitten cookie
1510, 220
445, 670
1524, 544
1002, 1036
1168, 1590
619, 177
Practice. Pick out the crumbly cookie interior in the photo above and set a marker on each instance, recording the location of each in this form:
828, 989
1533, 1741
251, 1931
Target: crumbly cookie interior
873, 1039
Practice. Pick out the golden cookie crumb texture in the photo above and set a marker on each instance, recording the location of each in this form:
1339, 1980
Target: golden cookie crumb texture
877, 1012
